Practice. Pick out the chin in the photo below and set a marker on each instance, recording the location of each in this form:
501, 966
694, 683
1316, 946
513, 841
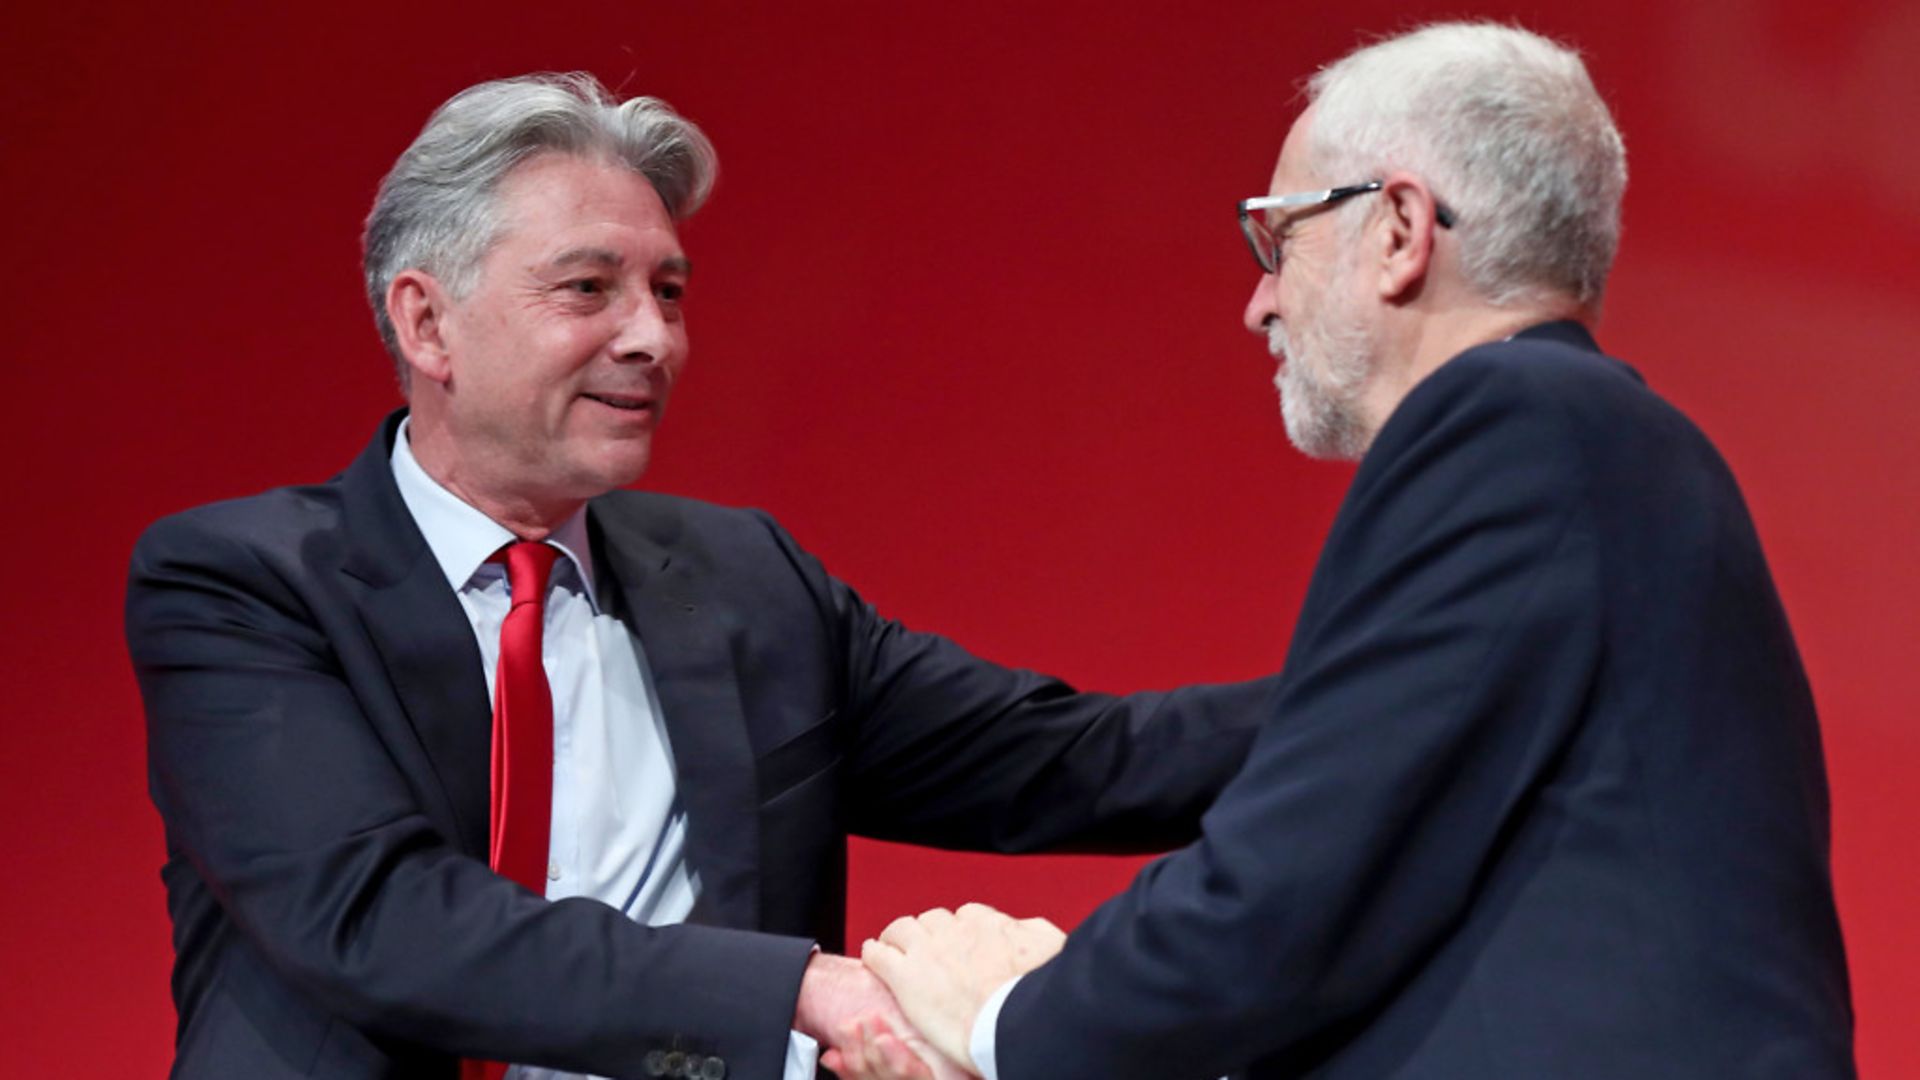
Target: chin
608, 473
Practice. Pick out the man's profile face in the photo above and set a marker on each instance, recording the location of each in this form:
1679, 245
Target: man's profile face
562, 356
1315, 323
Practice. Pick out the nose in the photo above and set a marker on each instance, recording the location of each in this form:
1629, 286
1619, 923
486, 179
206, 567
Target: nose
650, 332
1262, 306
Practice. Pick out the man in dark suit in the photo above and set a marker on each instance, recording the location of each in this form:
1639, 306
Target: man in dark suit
1541, 794
718, 713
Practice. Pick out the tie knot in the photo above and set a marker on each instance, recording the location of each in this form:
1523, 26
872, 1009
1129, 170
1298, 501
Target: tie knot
529, 565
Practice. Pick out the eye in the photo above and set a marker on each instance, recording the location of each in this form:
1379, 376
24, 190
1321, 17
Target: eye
670, 291
586, 286
1282, 236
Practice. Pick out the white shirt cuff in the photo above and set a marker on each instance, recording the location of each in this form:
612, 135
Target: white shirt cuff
980, 1041
803, 1054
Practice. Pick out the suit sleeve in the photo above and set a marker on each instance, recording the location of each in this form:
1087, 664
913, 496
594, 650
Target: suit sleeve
1441, 664
284, 799
948, 750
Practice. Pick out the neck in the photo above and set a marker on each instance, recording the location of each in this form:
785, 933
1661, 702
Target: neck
527, 515
1430, 339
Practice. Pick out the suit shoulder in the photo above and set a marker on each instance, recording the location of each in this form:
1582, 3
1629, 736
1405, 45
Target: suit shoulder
1577, 421
1544, 394
1518, 423
1489, 402
744, 550
285, 517
679, 522
249, 560
1540, 374
662, 511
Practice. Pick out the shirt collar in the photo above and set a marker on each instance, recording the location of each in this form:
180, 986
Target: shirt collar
460, 536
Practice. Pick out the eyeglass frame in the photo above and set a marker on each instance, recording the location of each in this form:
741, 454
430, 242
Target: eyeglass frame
1266, 246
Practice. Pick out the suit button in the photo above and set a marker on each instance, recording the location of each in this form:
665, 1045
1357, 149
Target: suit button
693, 1066
656, 1063
676, 1063
713, 1069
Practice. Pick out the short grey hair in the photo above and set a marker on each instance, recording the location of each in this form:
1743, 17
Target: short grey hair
1507, 128
435, 210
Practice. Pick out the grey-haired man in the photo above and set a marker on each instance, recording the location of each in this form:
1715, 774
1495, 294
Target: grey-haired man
336, 747
1541, 793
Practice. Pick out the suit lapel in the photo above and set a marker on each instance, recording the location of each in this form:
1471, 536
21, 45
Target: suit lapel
668, 601
423, 637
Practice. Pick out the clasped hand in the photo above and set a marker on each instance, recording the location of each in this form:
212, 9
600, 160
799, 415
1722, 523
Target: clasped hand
941, 967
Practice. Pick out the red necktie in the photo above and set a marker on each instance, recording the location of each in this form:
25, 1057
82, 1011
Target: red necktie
522, 739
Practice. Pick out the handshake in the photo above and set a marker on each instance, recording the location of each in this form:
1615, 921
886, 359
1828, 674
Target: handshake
906, 1009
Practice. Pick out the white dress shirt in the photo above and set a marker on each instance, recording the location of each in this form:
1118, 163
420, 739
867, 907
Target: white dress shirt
980, 1041
618, 832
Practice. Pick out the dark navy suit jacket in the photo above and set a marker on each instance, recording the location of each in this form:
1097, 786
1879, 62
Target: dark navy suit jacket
318, 728
1541, 795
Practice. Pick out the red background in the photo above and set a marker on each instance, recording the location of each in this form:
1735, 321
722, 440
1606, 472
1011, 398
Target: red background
965, 317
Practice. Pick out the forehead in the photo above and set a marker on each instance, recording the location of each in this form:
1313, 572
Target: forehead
1290, 172
557, 201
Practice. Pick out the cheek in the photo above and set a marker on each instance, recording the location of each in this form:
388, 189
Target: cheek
552, 360
1294, 298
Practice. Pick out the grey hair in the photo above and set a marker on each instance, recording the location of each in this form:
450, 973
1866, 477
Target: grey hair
435, 210
1507, 128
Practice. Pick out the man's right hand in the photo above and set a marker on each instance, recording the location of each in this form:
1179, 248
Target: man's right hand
852, 1013
944, 966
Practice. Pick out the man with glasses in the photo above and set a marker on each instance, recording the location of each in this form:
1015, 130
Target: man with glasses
1541, 794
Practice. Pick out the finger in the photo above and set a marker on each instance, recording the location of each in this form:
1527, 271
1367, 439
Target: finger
883, 960
888, 1056
899, 1062
976, 911
1039, 924
1038, 939
904, 931
856, 1055
936, 919
880, 1057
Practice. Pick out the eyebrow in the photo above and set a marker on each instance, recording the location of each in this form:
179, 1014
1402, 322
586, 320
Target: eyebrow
575, 256
677, 264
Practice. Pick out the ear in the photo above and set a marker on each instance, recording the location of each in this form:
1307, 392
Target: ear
1406, 237
418, 306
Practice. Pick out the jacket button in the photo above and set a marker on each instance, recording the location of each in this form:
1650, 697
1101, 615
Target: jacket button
676, 1063
656, 1063
713, 1069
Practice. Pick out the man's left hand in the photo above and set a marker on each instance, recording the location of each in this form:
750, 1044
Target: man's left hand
942, 966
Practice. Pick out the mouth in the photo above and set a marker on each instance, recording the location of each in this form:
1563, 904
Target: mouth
634, 403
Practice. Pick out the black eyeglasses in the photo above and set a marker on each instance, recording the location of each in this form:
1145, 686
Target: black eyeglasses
1266, 246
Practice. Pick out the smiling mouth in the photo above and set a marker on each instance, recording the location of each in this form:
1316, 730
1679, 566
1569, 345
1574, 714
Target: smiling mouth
630, 404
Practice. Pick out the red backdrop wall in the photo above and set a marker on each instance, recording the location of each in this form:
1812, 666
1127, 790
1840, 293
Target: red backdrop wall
965, 318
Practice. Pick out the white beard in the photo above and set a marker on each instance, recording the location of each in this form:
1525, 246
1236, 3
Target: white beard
1323, 369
